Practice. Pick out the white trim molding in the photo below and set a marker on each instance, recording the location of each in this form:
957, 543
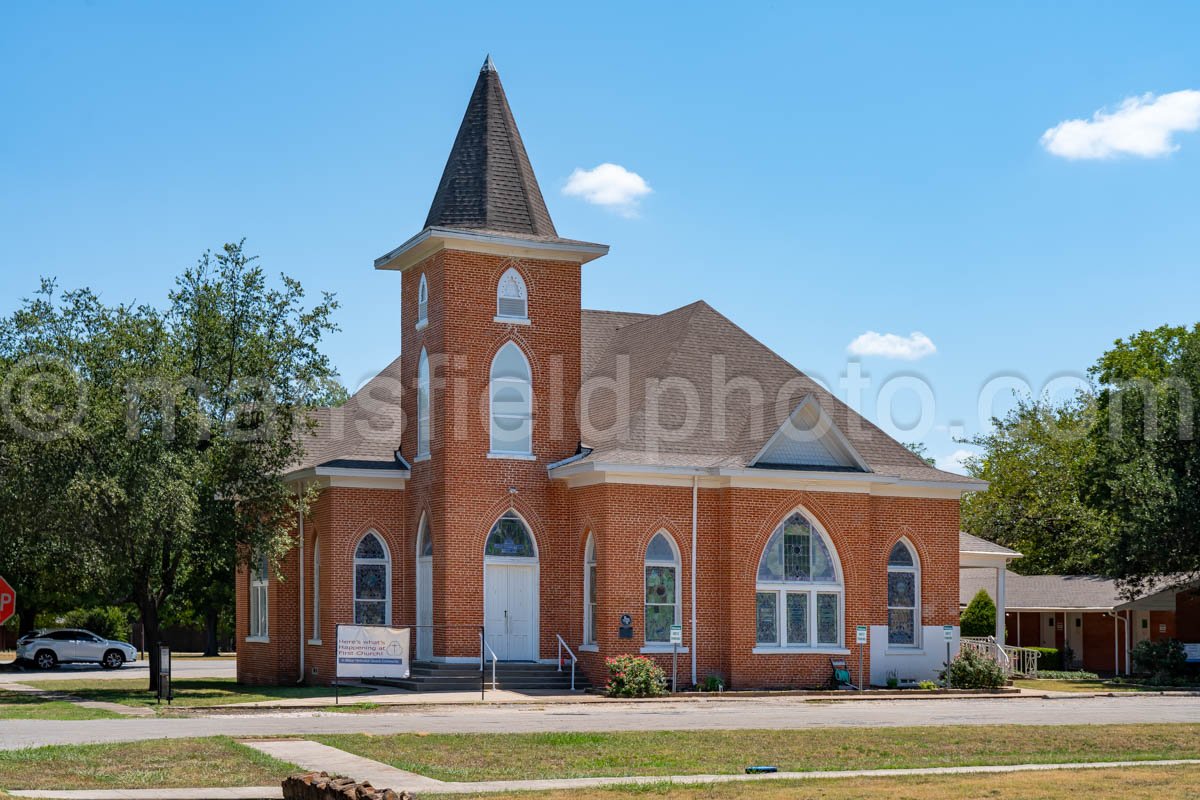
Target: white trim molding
433, 239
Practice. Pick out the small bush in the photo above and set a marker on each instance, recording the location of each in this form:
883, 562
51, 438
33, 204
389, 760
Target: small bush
712, 682
1164, 661
979, 617
1049, 658
634, 676
927, 685
1066, 675
970, 670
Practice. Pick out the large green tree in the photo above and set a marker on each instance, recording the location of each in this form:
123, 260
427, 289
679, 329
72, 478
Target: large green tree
1039, 461
1147, 465
191, 417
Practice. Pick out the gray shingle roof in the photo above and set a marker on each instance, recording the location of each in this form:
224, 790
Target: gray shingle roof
698, 347
1041, 591
488, 183
967, 543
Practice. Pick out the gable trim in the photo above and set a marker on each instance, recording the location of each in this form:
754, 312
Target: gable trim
828, 434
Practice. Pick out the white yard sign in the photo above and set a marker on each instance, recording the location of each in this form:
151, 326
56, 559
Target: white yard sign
372, 651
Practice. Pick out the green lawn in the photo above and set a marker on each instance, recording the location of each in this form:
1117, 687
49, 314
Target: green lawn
161, 763
473, 757
15, 705
1139, 783
188, 691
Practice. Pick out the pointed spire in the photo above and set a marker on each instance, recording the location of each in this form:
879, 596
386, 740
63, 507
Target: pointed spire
488, 182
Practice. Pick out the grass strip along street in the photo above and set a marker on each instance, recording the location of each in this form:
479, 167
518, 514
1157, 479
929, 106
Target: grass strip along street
162, 763
190, 692
1138, 783
17, 705
478, 757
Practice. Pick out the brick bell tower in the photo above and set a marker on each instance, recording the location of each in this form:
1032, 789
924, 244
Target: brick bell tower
491, 370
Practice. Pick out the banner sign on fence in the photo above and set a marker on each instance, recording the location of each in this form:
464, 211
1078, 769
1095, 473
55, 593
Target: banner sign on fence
372, 651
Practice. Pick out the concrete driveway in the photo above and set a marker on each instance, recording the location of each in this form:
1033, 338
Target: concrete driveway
182, 668
732, 714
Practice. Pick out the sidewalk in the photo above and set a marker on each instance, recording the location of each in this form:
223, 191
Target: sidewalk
50, 694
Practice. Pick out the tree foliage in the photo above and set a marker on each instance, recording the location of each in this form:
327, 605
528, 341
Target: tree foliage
979, 617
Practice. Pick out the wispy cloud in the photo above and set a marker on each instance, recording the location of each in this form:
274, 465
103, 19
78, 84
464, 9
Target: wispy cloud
956, 461
1141, 126
608, 185
892, 345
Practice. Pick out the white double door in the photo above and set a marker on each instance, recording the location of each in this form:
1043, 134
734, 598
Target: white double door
510, 609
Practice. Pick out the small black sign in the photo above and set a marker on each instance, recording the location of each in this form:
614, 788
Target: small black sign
625, 632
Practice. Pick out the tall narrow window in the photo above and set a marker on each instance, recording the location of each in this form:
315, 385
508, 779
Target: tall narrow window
512, 402
422, 303
423, 404
662, 588
259, 576
903, 593
589, 591
512, 301
316, 590
372, 582
798, 597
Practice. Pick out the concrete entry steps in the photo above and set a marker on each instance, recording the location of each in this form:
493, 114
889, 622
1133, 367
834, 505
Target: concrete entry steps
425, 676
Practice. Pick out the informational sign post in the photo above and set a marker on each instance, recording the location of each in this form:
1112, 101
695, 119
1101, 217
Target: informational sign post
372, 651
948, 633
676, 640
164, 674
860, 638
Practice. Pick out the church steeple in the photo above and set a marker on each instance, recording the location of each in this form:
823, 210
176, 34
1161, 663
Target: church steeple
488, 183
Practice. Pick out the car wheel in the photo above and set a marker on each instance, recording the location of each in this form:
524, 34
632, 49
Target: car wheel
45, 659
113, 659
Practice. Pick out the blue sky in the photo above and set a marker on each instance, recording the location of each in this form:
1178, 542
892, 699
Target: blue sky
817, 171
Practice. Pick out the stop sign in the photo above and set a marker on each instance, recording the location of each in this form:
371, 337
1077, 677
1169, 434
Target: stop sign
8, 601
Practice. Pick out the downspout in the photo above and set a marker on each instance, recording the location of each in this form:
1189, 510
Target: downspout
300, 498
695, 493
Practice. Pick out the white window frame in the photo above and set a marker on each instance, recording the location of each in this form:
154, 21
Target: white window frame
655, 645
589, 586
422, 303
386, 561
316, 591
424, 406
915, 569
504, 449
514, 276
813, 589
259, 611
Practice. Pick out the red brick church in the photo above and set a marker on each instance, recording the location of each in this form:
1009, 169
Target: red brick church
554, 473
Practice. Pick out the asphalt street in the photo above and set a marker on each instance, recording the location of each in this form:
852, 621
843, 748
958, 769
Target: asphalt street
181, 668
774, 713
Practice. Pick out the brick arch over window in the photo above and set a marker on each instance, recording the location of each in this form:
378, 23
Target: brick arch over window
485, 521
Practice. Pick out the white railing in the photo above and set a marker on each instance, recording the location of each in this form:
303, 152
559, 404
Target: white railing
986, 646
1024, 660
564, 646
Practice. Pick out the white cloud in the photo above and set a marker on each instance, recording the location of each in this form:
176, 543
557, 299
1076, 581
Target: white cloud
892, 345
608, 185
956, 461
1141, 126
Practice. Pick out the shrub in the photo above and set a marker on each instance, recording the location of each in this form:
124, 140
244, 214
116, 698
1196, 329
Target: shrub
110, 622
927, 685
1049, 658
712, 682
1164, 660
1066, 675
979, 617
970, 670
634, 676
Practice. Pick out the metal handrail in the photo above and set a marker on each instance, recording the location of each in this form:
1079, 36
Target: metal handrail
488, 647
562, 644
988, 646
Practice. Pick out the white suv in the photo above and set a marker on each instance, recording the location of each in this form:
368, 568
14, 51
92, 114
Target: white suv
49, 648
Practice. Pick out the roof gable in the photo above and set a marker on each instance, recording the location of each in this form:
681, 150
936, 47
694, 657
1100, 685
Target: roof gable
808, 438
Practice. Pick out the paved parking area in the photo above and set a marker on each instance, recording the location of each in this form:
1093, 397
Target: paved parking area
771, 713
182, 668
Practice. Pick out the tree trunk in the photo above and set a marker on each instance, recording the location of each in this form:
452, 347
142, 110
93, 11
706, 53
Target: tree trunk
151, 633
210, 630
26, 619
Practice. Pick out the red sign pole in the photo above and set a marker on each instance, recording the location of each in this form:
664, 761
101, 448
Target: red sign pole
8, 601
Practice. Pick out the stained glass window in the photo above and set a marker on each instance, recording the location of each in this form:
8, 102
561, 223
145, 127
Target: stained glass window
903, 590
510, 538
662, 590
425, 548
372, 582
797, 556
